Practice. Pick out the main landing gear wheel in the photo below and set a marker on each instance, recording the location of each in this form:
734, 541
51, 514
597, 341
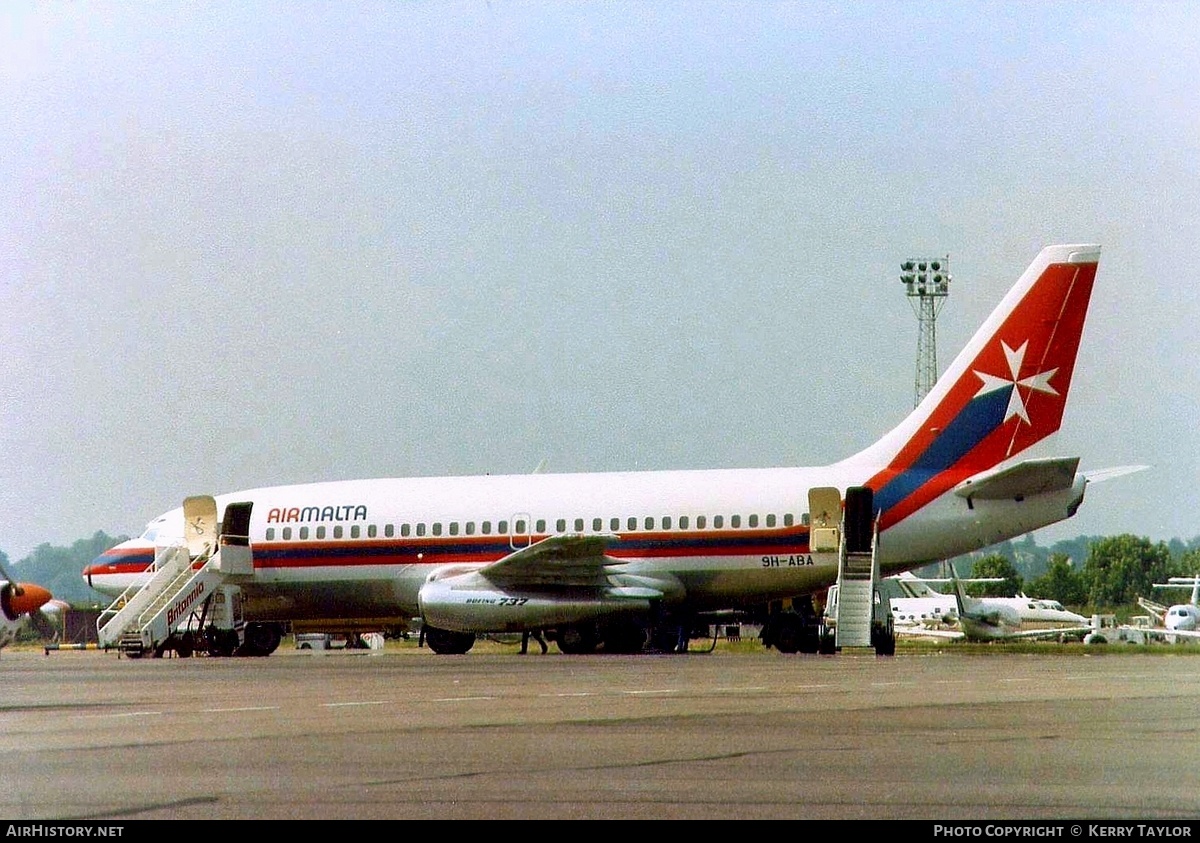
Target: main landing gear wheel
447, 643
578, 640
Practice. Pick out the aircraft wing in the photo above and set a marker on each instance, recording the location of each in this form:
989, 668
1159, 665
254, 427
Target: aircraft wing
1190, 634
1158, 610
569, 559
929, 632
1027, 634
1031, 477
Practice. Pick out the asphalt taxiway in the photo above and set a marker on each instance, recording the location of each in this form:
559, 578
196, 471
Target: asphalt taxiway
405, 734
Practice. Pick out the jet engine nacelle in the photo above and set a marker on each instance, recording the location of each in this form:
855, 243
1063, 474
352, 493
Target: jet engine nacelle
481, 610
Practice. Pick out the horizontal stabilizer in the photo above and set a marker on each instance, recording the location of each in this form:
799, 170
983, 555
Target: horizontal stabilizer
1031, 477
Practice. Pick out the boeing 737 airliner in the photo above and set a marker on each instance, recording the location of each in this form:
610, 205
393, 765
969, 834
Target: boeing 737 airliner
605, 561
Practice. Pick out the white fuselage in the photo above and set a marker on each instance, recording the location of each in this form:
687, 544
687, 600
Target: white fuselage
717, 539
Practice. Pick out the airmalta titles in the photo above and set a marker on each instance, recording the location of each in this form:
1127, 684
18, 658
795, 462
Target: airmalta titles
281, 515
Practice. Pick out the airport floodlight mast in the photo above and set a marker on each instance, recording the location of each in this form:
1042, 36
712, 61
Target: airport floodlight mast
927, 283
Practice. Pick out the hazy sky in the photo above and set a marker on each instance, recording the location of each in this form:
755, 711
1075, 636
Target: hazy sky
248, 243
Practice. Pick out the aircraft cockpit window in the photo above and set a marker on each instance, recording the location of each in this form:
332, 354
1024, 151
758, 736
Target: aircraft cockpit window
151, 534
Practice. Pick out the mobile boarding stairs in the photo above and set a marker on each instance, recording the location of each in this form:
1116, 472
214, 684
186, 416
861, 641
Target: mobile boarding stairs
191, 601
856, 615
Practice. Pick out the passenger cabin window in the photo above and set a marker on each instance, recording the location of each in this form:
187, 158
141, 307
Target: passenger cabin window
486, 528
519, 528
355, 530
321, 532
560, 526
788, 519
502, 527
735, 520
683, 522
389, 530
718, 522
614, 524
579, 525
406, 530
454, 528
597, 525
270, 533
804, 519
287, 533
470, 528
700, 522
437, 528
303, 532
371, 531
420, 528
337, 531
666, 522
753, 521
771, 520
631, 523
649, 523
